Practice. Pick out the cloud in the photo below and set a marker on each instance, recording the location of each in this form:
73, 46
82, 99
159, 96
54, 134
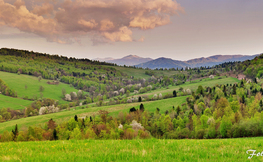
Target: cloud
88, 24
44, 9
123, 35
104, 21
141, 39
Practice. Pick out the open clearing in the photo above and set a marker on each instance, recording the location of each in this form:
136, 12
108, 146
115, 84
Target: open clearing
18, 82
13, 103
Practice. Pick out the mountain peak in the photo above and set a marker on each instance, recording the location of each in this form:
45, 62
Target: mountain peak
131, 57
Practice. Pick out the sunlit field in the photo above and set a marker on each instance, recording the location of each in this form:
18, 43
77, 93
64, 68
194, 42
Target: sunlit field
133, 150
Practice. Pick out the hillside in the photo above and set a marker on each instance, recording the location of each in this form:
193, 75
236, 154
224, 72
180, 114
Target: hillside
129, 60
198, 62
115, 109
163, 63
218, 59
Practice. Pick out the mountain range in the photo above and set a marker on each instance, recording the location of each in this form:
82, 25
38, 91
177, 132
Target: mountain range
129, 60
162, 62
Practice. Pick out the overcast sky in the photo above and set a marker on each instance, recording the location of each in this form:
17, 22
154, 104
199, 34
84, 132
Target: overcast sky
181, 30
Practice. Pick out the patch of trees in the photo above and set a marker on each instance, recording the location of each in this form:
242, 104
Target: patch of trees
5, 90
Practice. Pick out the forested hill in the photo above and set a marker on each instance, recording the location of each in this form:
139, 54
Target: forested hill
252, 68
59, 59
81, 73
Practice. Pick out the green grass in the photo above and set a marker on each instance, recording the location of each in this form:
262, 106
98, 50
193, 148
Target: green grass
133, 150
18, 82
14, 103
192, 86
163, 105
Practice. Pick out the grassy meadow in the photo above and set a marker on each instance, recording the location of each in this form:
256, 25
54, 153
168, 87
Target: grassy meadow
13, 103
193, 85
151, 106
18, 82
133, 150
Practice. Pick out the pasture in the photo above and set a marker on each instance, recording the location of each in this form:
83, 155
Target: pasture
133, 150
20, 82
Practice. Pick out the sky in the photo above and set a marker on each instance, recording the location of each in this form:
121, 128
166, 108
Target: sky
181, 30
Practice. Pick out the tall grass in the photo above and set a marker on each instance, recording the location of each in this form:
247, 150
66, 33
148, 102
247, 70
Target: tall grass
133, 150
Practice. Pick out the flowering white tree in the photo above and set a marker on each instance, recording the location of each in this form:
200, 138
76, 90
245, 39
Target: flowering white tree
136, 126
67, 97
188, 91
80, 94
116, 93
120, 126
42, 110
136, 92
129, 100
149, 87
122, 90
48, 109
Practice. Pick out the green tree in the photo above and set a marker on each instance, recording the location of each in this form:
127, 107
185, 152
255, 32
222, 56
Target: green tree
15, 133
225, 127
174, 93
55, 136
203, 120
234, 89
127, 93
76, 134
64, 92
141, 107
41, 88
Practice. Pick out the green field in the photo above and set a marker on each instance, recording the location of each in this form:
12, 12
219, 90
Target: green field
18, 82
133, 150
13, 103
163, 105
193, 85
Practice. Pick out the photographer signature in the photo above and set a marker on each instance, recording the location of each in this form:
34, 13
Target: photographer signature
253, 153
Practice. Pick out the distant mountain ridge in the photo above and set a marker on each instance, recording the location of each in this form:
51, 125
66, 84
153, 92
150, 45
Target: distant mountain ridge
209, 61
129, 60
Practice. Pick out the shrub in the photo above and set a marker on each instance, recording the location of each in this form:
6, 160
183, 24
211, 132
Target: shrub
129, 134
136, 126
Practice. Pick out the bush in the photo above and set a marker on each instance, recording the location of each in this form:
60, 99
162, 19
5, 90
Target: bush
200, 134
168, 95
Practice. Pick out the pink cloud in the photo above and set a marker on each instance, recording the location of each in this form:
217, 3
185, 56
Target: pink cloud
102, 20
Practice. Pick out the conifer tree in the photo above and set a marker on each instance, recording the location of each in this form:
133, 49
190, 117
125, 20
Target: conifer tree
178, 109
15, 132
224, 88
174, 93
76, 118
141, 107
55, 136
243, 99
234, 89
261, 104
